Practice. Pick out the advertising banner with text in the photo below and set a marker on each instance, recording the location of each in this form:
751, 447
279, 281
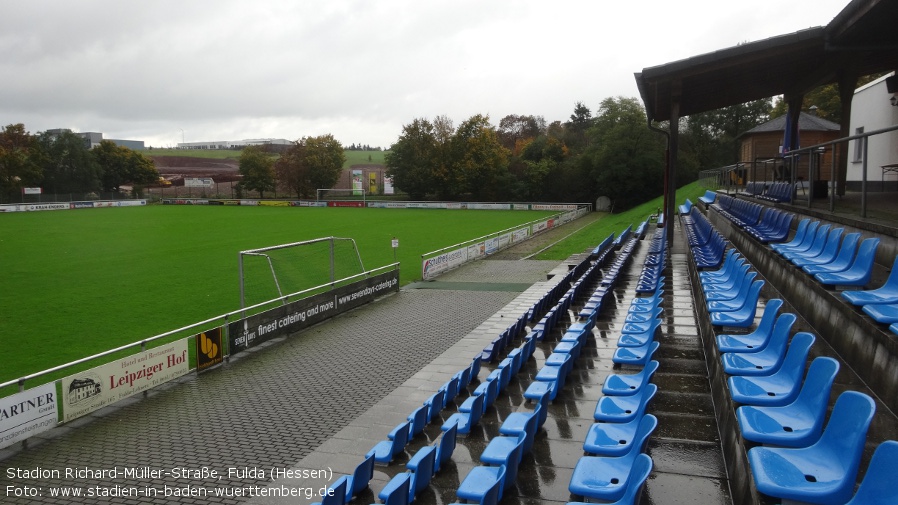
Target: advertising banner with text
290, 318
26, 414
87, 391
209, 351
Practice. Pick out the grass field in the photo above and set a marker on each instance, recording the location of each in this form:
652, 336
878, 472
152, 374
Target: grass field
615, 223
80, 282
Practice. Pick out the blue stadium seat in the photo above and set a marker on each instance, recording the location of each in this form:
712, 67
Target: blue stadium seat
400, 490
336, 493
642, 467
846, 255
878, 486
860, 271
828, 253
358, 481
615, 439
604, 477
629, 384
887, 293
708, 198
765, 362
466, 420
623, 409
803, 238
419, 478
824, 472
779, 388
481, 479
743, 316
395, 443
635, 356
756, 340
799, 423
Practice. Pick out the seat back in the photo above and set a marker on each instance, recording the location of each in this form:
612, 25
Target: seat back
779, 337
475, 367
450, 390
361, 476
476, 410
399, 435
336, 492
424, 472
878, 486
809, 233
435, 404
640, 471
814, 395
417, 420
514, 460
530, 431
768, 318
446, 447
846, 431
399, 494
847, 250
494, 493
796, 358
866, 254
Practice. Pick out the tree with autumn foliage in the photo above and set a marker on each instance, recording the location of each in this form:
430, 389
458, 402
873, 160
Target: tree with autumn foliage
19, 155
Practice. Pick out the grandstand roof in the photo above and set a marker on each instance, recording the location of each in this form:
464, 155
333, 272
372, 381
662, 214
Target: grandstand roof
860, 40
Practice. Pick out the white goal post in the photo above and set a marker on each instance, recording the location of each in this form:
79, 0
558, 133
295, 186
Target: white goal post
275, 273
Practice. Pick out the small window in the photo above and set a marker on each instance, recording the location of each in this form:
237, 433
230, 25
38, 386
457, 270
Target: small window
858, 146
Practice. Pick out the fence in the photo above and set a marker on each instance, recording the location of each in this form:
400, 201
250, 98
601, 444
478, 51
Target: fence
807, 169
442, 260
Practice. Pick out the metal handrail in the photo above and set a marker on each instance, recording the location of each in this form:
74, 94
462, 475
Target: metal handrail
223, 317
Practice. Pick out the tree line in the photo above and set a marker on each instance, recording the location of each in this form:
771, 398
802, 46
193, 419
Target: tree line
305, 166
62, 162
607, 152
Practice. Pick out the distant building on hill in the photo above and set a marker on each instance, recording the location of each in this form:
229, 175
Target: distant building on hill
93, 139
233, 144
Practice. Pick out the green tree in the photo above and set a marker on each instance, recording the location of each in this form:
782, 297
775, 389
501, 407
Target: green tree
120, 165
311, 163
479, 158
624, 160
711, 138
411, 159
19, 160
256, 166
67, 163
325, 159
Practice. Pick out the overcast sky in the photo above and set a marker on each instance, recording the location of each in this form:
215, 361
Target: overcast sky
160, 71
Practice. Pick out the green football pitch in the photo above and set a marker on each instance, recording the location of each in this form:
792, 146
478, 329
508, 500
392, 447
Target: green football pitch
76, 283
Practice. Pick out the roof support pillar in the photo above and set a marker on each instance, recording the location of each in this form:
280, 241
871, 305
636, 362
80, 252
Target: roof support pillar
673, 149
847, 84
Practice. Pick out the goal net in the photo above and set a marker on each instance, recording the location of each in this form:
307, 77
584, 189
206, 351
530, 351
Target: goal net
270, 273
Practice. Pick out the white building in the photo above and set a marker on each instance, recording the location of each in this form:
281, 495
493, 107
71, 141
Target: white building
874, 108
232, 144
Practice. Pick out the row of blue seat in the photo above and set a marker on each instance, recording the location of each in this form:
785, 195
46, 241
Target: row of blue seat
616, 465
819, 250
774, 226
741, 212
754, 188
705, 242
732, 292
502, 456
801, 460
653, 267
778, 192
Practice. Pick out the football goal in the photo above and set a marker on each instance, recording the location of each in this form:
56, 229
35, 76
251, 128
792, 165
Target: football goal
274, 274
